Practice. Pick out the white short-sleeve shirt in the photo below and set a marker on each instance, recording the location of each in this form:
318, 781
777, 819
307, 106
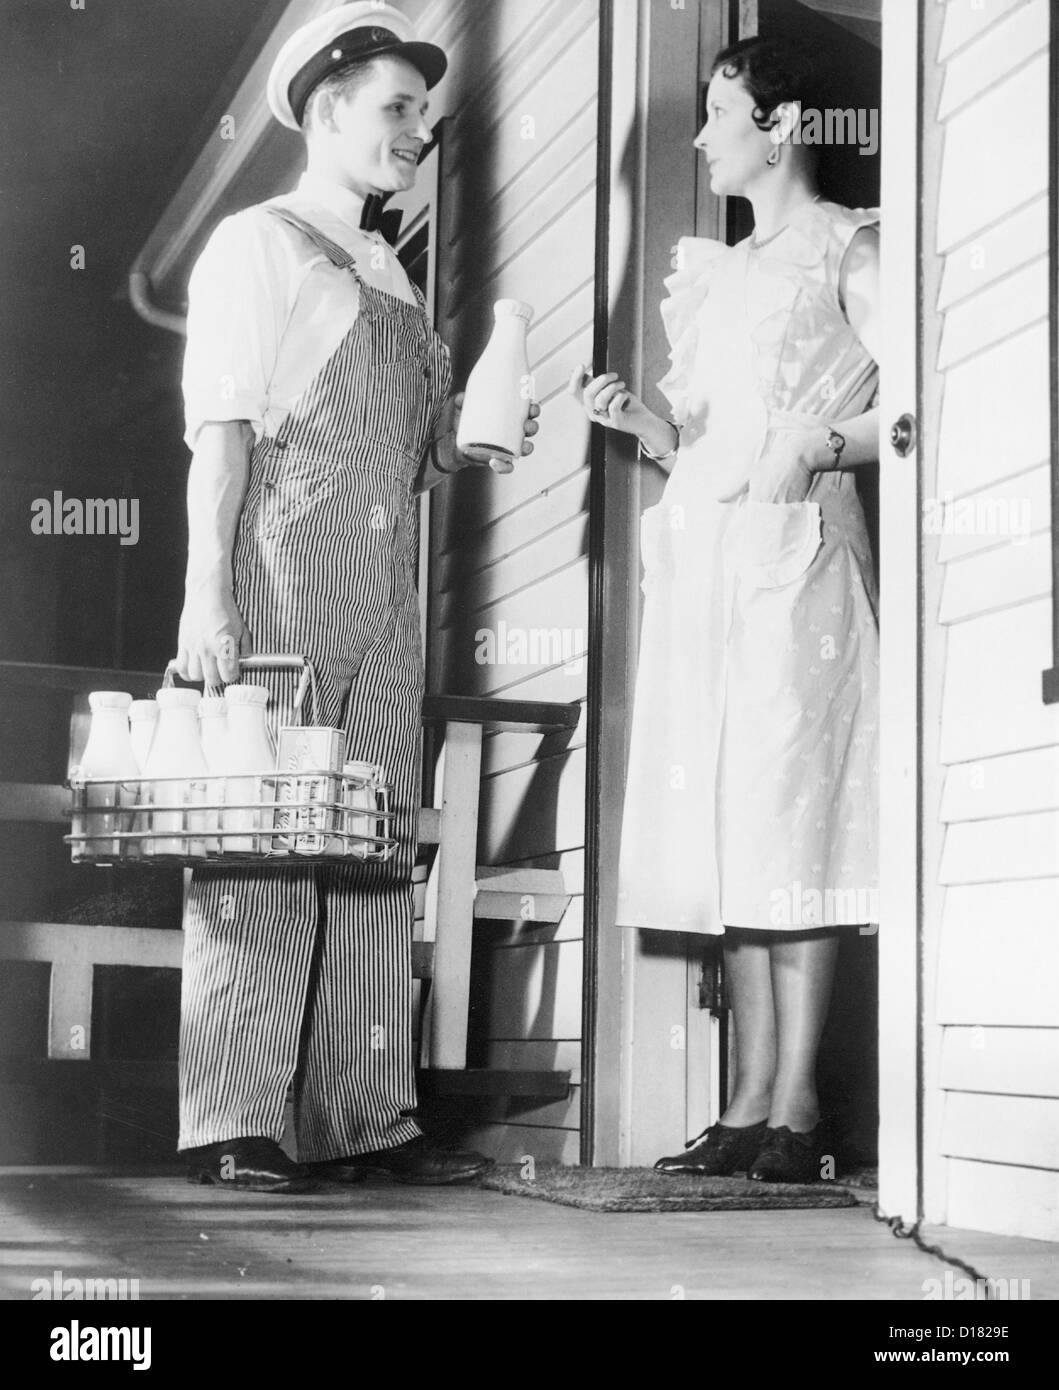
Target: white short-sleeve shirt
267, 309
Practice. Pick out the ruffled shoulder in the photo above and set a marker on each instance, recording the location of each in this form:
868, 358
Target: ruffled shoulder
844, 223
695, 259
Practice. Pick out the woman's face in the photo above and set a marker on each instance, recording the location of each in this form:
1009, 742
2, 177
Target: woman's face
735, 149
380, 128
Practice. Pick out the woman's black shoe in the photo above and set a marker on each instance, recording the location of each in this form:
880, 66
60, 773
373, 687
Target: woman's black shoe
717, 1151
788, 1156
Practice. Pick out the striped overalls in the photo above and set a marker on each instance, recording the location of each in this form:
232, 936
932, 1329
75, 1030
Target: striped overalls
306, 973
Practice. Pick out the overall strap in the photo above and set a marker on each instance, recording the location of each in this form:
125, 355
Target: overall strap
334, 253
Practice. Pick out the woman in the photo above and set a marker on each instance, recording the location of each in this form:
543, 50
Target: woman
750, 807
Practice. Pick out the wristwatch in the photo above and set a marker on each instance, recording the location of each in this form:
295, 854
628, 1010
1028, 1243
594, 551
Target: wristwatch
836, 443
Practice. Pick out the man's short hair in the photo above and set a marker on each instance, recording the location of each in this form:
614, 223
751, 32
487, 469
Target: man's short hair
340, 83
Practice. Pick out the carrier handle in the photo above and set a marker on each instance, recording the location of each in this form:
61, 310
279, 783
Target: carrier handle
272, 662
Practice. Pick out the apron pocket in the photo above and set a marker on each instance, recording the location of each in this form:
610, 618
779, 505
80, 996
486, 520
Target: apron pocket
778, 542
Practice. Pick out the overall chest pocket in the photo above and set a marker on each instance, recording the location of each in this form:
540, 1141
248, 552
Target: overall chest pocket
395, 336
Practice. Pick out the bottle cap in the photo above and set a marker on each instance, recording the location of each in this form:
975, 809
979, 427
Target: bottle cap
174, 697
212, 706
109, 699
247, 694
513, 308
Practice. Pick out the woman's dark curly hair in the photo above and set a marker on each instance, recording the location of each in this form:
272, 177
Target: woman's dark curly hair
774, 71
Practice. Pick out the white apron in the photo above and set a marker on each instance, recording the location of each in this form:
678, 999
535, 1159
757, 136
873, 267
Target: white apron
751, 792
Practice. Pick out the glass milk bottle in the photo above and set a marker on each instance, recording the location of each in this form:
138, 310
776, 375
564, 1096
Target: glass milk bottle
497, 403
108, 754
249, 750
361, 797
213, 732
177, 753
143, 719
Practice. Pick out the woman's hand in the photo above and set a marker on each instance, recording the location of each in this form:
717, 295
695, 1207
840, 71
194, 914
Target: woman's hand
607, 401
788, 465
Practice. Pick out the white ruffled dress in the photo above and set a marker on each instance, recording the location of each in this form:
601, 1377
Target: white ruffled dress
751, 798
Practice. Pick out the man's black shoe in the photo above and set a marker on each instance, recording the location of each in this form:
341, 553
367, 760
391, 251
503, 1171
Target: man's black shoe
251, 1165
417, 1161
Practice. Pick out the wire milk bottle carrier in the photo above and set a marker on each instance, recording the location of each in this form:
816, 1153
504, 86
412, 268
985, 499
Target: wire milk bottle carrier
308, 805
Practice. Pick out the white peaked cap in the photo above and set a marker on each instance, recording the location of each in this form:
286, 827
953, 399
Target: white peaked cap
337, 38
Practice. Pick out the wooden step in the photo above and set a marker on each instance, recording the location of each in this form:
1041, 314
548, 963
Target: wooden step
520, 907
519, 895
506, 880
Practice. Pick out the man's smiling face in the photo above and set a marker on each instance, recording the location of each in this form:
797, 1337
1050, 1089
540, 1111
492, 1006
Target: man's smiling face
378, 128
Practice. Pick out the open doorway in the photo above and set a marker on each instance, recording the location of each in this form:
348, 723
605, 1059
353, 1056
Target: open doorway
850, 31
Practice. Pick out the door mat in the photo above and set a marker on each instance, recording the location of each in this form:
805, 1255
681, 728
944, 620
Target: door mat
644, 1189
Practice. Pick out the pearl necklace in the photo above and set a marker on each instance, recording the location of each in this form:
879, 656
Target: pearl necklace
755, 245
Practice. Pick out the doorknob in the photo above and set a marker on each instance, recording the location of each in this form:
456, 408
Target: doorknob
903, 435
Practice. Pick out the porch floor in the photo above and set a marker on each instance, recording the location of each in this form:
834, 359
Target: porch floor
185, 1242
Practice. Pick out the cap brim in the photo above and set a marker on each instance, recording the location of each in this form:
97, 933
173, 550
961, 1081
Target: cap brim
427, 57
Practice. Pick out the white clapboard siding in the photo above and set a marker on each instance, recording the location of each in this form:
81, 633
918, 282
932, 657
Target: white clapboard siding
995, 579
522, 1054
482, 656
992, 694
532, 810
1018, 300
995, 253
1014, 508
516, 935
559, 548
1012, 115
1007, 1200
989, 851
1021, 1130
534, 992
525, 1111
526, 1144
1002, 1061
967, 20
1006, 46
995, 940
998, 955
509, 554
559, 684
501, 752
538, 264
1006, 786
980, 443
524, 524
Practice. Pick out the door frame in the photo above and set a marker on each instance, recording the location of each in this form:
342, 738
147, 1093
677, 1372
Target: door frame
650, 1051
630, 992
901, 626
